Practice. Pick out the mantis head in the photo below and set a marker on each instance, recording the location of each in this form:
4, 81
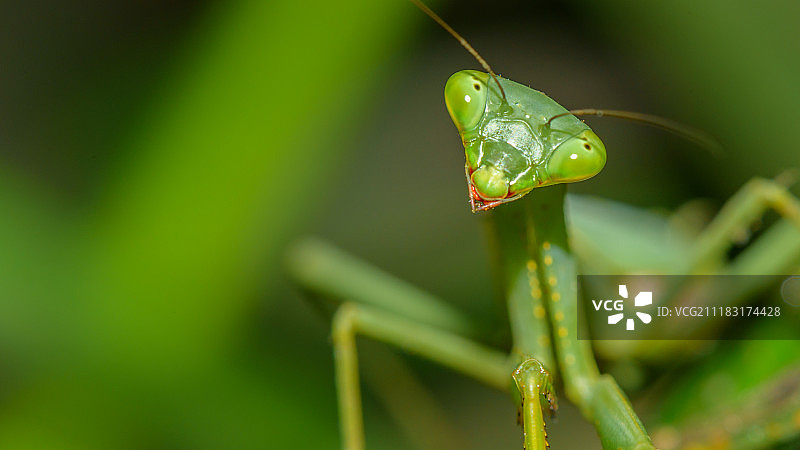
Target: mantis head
524, 140
518, 141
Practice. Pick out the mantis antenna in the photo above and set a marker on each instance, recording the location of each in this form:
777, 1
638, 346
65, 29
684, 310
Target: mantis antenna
695, 135
462, 41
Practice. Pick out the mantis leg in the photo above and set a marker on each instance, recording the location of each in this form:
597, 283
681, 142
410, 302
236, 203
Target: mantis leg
388, 310
519, 279
323, 269
478, 361
744, 208
775, 252
536, 387
536, 224
598, 396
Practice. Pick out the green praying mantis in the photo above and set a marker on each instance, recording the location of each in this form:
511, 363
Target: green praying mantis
522, 149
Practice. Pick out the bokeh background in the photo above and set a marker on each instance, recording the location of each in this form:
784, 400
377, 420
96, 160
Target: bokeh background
156, 159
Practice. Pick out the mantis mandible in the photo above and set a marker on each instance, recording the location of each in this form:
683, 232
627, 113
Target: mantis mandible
522, 148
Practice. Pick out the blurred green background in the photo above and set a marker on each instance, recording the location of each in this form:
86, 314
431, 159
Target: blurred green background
157, 158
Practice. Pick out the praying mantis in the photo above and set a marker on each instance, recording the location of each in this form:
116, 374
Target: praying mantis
519, 146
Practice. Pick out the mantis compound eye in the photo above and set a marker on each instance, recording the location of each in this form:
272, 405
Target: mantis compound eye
465, 95
577, 158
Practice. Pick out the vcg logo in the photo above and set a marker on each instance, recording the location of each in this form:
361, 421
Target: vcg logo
641, 299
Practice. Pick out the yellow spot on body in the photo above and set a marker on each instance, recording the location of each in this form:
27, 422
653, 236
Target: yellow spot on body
538, 312
546, 245
536, 293
559, 316
531, 265
548, 260
556, 296
797, 418
544, 340
570, 359
552, 281
562, 331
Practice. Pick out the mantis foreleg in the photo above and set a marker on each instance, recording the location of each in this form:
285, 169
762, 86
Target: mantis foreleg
536, 388
540, 228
